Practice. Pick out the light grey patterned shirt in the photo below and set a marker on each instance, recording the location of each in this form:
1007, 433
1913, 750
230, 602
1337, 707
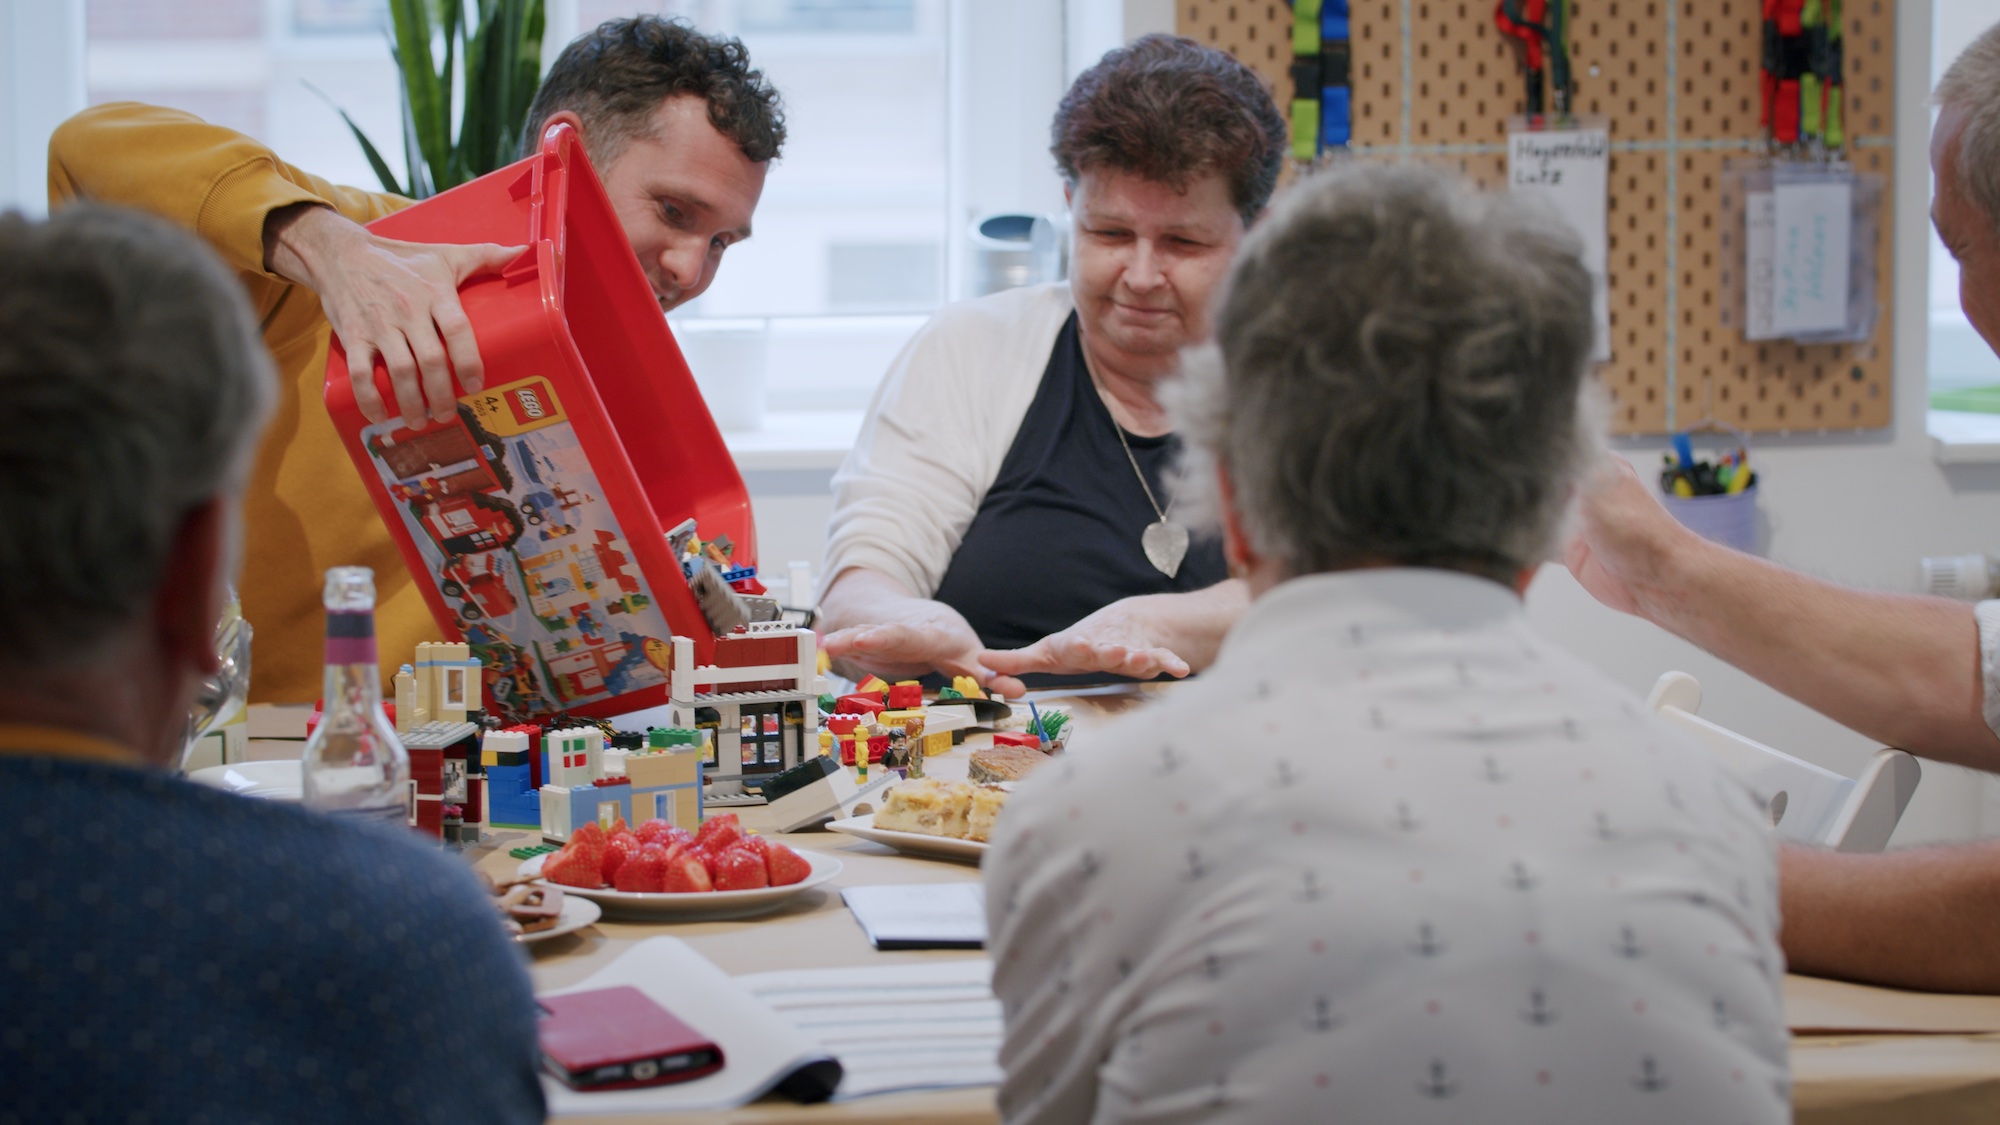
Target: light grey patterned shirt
1393, 858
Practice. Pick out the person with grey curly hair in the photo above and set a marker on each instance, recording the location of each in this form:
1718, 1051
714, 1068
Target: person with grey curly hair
175, 952
1394, 856
1919, 673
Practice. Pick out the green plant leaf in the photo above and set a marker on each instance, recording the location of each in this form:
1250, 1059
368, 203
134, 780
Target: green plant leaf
426, 108
375, 161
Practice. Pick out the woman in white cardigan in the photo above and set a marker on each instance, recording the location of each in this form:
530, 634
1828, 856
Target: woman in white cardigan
1005, 512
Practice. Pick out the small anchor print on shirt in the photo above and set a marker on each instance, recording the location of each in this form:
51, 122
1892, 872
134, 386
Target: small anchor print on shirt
1196, 869
1427, 944
1437, 1083
1539, 1013
1650, 1078
1322, 1018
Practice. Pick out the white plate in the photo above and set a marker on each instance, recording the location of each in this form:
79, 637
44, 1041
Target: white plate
275, 780
703, 906
910, 843
576, 913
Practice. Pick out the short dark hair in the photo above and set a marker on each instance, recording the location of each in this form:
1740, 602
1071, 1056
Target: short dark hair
1169, 109
616, 76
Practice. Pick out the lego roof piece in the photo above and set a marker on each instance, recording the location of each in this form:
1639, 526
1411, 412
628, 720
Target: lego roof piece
504, 741
438, 735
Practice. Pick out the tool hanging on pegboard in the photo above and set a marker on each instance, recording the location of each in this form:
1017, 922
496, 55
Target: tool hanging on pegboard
1322, 78
1542, 29
1801, 73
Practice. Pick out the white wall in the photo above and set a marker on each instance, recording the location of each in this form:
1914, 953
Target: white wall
1004, 89
39, 87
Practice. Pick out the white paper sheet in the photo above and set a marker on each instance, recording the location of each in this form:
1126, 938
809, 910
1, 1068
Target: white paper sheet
1760, 218
1812, 225
1570, 168
920, 915
897, 1027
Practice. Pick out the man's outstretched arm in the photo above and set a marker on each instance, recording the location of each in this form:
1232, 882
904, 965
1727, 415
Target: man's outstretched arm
277, 225
1902, 669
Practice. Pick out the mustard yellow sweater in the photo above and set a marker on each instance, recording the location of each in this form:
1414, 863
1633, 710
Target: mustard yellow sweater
305, 509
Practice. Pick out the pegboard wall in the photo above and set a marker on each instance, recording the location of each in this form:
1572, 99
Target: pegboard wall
1435, 81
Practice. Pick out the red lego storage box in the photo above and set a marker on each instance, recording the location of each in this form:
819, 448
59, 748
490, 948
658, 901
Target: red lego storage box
539, 515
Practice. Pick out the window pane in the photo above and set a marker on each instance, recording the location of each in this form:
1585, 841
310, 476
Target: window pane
273, 70
853, 214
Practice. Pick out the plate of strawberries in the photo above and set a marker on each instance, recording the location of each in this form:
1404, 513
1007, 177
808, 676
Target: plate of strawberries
663, 872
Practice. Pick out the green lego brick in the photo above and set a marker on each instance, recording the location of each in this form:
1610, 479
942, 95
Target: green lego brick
1305, 30
1305, 128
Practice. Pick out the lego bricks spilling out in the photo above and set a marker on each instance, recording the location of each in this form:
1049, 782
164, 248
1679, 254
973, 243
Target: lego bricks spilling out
552, 521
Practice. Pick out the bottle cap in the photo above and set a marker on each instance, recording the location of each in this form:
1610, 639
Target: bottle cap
350, 588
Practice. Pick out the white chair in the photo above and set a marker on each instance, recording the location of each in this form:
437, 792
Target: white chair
1808, 804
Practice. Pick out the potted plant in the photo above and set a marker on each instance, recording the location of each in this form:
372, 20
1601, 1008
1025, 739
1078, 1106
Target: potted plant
501, 44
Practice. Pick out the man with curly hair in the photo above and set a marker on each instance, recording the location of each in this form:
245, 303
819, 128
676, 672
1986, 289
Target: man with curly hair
681, 130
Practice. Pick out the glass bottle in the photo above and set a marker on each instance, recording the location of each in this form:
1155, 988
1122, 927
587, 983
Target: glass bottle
354, 763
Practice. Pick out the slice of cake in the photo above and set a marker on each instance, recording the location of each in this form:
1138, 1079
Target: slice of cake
1004, 763
987, 801
930, 807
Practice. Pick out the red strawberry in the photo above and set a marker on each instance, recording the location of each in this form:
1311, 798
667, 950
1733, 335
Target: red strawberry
654, 831
686, 875
617, 825
591, 839
786, 866
617, 853
759, 845
573, 867
645, 871
739, 869
718, 832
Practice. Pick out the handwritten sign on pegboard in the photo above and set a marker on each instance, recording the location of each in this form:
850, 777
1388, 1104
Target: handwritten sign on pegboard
1434, 81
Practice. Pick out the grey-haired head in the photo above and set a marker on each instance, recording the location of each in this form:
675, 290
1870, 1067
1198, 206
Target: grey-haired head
1397, 377
134, 386
1971, 84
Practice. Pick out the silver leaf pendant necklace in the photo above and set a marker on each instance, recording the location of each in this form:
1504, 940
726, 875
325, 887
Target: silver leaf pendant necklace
1165, 542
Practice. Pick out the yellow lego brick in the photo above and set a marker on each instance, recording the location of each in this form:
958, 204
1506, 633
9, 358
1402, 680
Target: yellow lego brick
664, 769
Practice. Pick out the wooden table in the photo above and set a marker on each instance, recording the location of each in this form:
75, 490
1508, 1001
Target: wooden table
1839, 1079
1859, 1055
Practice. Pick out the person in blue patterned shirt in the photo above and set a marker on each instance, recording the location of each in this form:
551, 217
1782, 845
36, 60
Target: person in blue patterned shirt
174, 953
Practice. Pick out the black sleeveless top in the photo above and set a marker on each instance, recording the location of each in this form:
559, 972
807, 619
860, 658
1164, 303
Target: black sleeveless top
1056, 537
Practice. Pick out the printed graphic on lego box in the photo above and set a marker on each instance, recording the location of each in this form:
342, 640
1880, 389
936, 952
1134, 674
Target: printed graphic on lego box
505, 509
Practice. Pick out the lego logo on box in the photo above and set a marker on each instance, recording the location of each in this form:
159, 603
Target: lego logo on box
516, 408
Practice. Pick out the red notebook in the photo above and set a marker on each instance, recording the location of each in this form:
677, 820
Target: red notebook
618, 1038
